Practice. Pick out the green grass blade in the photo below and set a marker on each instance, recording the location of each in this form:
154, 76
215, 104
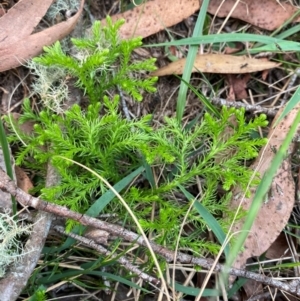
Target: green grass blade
148, 173
287, 265
209, 219
271, 44
236, 287
192, 291
181, 100
211, 108
6, 154
104, 200
289, 32
289, 106
69, 274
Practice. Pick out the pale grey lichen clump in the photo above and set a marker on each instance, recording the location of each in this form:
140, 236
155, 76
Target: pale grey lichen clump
11, 250
60, 6
51, 85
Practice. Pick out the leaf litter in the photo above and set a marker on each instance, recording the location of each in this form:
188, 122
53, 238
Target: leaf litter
154, 16
16, 48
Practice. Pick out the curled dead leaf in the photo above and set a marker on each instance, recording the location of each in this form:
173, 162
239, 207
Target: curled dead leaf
237, 86
97, 235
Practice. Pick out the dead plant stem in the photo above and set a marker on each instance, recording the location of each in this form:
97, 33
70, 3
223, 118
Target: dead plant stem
6, 184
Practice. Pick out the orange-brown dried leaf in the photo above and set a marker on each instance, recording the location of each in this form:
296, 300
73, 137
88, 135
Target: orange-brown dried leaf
274, 214
21, 19
218, 63
252, 288
266, 14
279, 248
23, 180
154, 16
2, 12
238, 85
15, 54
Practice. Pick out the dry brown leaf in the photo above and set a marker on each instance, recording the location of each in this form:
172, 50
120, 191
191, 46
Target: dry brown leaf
264, 74
239, 46
252, 288
2, 12
97, 235
21, 19
15, 54
154, 16
238, 85
279, 248
23, 180
267, 14
230, 96
218, 63
274, 214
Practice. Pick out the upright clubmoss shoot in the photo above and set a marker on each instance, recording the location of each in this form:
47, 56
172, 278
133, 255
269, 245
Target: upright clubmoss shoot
99, 63
98, 137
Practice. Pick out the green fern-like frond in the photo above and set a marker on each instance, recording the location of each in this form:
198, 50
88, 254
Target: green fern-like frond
208, 155
113, 147
101, 62
39, 294
55, 56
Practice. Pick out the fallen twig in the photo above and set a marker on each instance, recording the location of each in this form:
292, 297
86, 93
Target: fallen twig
122, 260
25, 199
248, 107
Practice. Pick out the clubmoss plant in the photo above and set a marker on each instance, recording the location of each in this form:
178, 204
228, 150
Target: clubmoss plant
98, 63
39, 294
100, 138
114, 147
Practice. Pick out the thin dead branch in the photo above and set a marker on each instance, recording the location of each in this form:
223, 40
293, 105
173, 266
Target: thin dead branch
248, 107
25, 199
122, 260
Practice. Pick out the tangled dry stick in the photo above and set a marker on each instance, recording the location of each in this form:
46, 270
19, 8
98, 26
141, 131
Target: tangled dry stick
6, 184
